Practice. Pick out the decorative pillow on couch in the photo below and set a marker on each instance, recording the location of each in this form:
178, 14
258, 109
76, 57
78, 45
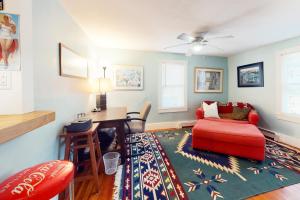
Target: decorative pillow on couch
240, 113
237, 113
226, 115
210, 110
225, 108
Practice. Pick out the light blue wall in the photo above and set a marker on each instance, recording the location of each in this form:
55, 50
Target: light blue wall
65, 96
151, 62
264, 98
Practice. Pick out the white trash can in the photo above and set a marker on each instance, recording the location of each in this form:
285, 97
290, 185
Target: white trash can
111, 161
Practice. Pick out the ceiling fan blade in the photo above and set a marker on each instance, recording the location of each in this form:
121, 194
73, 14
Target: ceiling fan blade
186, 37
220, 37
177, 45
201, 34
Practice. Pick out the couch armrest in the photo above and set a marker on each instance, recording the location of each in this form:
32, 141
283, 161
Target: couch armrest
199, 113
253, 117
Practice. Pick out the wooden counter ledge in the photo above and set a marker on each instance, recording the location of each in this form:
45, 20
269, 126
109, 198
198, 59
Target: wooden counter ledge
12, 126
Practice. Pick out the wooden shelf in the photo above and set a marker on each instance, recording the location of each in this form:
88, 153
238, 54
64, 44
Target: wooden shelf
12, 126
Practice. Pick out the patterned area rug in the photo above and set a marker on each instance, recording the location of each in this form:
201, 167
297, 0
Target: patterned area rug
171, 169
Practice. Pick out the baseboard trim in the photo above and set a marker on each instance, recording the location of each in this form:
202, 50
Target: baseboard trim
280, 137
173, 124
269, 133
293, 141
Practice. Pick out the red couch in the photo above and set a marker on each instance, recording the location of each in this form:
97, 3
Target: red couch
253, 117
227, 136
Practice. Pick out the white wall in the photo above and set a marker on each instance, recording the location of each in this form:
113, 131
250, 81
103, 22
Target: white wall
150, 61
20, 98
264, 98
66, 96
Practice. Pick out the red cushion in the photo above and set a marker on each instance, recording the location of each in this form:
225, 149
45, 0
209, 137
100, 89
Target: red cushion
229, 138
246, 134
42, 181
226, 108
256, 153
227, 120
253, 117
243, 105
209, 102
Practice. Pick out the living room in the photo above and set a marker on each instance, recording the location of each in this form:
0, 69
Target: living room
187, 65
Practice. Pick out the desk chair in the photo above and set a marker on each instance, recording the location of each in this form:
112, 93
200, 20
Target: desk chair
135, 123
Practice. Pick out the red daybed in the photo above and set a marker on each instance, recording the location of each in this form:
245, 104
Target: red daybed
253, 116
227, 136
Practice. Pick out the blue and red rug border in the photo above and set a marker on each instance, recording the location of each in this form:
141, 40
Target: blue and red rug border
127, 182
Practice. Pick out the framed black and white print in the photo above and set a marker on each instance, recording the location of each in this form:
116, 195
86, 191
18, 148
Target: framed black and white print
251, 75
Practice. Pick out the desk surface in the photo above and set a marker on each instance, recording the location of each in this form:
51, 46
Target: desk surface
110, 114
12, 126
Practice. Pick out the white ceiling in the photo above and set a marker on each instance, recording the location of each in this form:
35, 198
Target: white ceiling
155, 24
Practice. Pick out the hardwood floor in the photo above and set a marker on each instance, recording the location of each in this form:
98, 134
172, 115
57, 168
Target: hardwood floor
86, 191
286, 193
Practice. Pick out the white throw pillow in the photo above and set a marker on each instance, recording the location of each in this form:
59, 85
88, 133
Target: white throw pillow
210, 110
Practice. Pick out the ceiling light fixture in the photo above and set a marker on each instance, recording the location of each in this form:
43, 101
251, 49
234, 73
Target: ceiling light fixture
197, 47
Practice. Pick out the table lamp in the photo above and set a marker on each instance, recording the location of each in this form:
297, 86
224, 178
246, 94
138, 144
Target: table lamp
105, 85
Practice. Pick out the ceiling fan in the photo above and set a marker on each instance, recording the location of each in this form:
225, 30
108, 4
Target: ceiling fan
197, 42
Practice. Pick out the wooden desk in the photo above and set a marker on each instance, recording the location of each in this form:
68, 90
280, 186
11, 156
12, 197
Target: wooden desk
113, 117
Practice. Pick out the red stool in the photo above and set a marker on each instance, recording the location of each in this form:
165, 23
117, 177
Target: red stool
40, 182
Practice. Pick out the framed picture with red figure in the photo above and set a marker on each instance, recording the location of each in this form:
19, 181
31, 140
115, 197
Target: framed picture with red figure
9, 42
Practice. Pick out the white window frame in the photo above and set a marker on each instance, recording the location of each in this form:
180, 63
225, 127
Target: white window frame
279, 112
172, 110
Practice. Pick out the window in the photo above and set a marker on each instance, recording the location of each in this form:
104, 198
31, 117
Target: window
289, 85
173, 95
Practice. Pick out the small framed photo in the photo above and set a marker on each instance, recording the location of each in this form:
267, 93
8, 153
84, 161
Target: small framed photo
72, 64
251, 75
1, 5
208, 80
128, 77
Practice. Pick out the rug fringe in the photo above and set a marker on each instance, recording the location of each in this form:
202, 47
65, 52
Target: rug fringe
117, 183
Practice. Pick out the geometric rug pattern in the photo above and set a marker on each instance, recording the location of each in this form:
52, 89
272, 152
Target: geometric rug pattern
151, 175
171, 169
225, 163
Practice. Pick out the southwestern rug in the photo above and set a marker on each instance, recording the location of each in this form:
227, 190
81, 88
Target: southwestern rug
171, 169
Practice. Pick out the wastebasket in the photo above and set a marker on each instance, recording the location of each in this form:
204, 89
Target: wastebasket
111, 160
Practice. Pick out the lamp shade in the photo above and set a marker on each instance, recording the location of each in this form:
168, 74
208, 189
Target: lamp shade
105, 85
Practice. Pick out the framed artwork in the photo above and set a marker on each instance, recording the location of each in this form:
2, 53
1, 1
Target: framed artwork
128, 77
208, 80
1, 5
10, 58
251, 75
72, 64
